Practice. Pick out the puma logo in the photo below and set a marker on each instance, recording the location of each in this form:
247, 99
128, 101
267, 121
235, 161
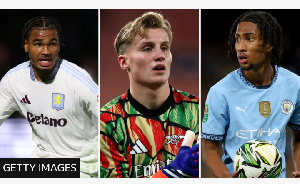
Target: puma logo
240, 109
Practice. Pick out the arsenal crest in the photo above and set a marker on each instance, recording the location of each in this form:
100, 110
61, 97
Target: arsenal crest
58, 101
264, 108
174, 139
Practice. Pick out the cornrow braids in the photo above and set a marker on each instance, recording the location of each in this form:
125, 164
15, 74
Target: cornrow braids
42, 23
269, 28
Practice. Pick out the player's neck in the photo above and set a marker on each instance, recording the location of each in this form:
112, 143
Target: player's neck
262, 76
151, 98
42, 75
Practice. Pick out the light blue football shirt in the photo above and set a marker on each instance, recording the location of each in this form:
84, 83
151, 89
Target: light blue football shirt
236, 111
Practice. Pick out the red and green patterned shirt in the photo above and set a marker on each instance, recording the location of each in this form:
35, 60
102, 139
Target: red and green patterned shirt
137, 142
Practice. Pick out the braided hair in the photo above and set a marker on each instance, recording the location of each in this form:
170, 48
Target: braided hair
41, 23
269, 28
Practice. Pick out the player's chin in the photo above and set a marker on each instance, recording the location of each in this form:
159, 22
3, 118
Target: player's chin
43, 68
246, 67
161, 80
157, 83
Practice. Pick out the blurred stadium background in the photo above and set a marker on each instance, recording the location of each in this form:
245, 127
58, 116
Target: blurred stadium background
80, 32
215, 64
185, 50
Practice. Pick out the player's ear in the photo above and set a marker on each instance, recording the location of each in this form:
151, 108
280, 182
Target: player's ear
26, 46
123, 61
269, 47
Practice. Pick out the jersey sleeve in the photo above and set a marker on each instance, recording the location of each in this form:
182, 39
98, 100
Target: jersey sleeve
216, 116
294, 122
87, 96
7, 104
195, 122
90, 106
113, 160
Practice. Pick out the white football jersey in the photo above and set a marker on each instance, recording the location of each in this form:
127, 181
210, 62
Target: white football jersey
63, 111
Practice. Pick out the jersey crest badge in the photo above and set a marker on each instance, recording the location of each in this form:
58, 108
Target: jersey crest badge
58, 101
205, 117
287, 107
174, 139
264, 108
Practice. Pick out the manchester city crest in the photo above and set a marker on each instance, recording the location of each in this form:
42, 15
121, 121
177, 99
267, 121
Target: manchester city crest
287, 107
58, 101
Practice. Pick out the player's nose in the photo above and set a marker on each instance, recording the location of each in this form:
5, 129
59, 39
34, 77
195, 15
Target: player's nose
159, 55
45, 50
241, 46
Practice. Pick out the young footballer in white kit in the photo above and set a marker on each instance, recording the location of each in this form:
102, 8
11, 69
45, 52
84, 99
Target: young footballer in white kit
58, 98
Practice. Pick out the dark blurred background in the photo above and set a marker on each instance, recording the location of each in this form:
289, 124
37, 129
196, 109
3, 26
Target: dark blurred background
80, 32
184, 49
215, 64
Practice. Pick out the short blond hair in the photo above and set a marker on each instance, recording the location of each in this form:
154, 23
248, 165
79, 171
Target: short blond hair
138, 27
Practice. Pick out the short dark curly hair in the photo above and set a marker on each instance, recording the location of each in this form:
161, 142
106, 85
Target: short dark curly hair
269, 28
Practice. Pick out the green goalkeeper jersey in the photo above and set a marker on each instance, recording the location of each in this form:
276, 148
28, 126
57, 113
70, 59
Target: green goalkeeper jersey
137, 142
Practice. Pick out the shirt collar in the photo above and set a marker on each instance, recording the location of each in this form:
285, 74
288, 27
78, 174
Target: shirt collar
32, 76
247, 82
169, 102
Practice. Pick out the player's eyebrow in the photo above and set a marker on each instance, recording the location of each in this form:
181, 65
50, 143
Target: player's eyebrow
40, 40
37, 40
245, 34
152, 43
53, 39
147, 43
166, 43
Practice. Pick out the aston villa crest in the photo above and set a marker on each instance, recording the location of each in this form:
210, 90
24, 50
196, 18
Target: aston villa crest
58, 101
264, 108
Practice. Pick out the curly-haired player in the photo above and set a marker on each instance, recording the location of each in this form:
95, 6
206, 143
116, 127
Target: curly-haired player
257, 101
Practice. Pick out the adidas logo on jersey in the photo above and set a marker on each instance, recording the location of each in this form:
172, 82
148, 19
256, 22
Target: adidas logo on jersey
25, 100
138, 148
